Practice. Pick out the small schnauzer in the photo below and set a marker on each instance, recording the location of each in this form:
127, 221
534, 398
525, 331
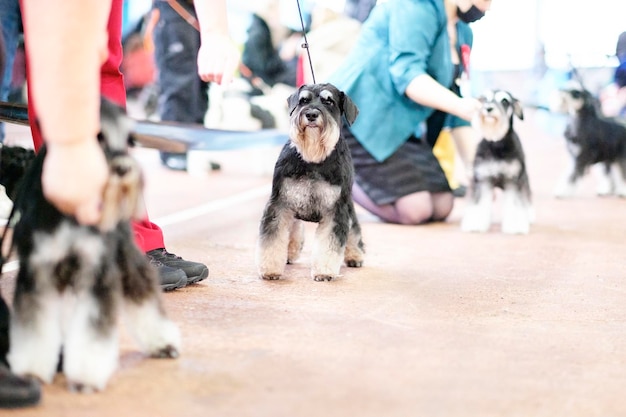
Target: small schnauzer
14, 161
312, 182
591, 139
499, 163
75, 280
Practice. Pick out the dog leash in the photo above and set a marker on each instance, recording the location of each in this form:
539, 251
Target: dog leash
305, 45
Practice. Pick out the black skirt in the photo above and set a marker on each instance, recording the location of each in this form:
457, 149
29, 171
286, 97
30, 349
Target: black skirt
412, 168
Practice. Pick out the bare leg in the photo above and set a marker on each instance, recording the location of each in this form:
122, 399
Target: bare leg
416, 208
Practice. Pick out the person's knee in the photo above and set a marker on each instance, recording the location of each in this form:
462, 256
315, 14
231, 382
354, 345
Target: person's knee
414, 215
424, 207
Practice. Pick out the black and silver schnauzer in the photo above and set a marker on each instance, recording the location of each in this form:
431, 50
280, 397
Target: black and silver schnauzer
312, 182
499, 164
74, 281
591, 140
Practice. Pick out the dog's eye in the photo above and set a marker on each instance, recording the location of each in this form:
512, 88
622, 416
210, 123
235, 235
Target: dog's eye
328, 102
304, 100
576, 94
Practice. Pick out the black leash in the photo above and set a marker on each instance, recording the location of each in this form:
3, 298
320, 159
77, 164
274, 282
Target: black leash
305, 45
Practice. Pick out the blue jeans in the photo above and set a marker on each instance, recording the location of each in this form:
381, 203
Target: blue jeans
11, 21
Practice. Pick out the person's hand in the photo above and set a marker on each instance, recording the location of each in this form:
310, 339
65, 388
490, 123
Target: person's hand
73, 178
218, 58
468, 107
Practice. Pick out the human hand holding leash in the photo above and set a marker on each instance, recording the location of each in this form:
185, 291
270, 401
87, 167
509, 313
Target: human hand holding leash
73, 179
218, 58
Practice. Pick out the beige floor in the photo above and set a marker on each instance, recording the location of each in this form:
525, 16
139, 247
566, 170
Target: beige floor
437, 322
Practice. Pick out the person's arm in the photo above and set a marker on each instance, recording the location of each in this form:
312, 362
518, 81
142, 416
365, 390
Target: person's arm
424, 90
218, 57
66, 43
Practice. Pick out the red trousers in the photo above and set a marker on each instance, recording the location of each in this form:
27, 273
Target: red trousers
148, 235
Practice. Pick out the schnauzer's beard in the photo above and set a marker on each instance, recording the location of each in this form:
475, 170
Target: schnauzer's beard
493, 127
313, 141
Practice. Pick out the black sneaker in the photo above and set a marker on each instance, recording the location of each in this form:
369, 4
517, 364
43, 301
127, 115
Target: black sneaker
17, 392
170, 278
195, 271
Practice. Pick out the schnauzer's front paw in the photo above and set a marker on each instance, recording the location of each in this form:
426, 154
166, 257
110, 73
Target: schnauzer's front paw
476, 220
322, 277
167, 352
564, 190
354, 263
271, 277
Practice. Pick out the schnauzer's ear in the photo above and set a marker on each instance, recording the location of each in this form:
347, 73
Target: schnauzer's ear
517, 109
348, 108
292, 101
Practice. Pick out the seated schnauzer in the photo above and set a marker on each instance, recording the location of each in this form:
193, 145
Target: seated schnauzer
499, 163
591, 139
74, 281
312, 182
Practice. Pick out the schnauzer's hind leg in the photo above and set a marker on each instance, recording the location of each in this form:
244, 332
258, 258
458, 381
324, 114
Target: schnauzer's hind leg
604, 179
147, 321
328, 249
296, 240
35, 330
355, 249
273, 244
618, 174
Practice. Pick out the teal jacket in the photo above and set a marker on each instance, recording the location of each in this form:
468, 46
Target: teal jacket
400, 40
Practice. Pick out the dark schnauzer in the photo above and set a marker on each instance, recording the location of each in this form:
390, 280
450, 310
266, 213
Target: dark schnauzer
74, 280
312, 182
499, 164
591, 139
14, 161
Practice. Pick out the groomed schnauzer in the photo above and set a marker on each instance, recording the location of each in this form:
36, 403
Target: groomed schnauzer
591, 139
499, 164
312, 182
75, 280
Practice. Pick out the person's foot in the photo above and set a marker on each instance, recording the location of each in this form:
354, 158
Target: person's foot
17, 392
170, 278
195, 271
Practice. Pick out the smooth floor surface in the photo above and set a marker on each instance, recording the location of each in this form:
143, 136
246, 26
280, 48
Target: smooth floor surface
437, 323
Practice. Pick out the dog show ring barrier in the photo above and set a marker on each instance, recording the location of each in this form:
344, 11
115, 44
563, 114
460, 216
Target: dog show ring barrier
199, 142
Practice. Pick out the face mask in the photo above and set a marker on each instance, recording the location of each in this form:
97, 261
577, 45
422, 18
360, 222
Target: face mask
472, 15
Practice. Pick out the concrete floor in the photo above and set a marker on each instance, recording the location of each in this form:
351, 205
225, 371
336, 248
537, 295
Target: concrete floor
437, 322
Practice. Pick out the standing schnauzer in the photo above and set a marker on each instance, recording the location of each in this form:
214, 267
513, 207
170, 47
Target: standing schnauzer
75, 280
312, 182
499, 163
591, 139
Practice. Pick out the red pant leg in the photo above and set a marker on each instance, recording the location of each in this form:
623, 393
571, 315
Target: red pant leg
148, 235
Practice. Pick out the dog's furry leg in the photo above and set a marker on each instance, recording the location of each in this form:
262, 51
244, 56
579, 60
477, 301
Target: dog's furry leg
147, 321
296, 241
604, 185
329, 248
92, 343
272, 247
35, 331
355, 249
567, 185
477, 216
618, 175
515, 212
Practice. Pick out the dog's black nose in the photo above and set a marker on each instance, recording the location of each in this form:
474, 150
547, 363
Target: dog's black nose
312, 115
